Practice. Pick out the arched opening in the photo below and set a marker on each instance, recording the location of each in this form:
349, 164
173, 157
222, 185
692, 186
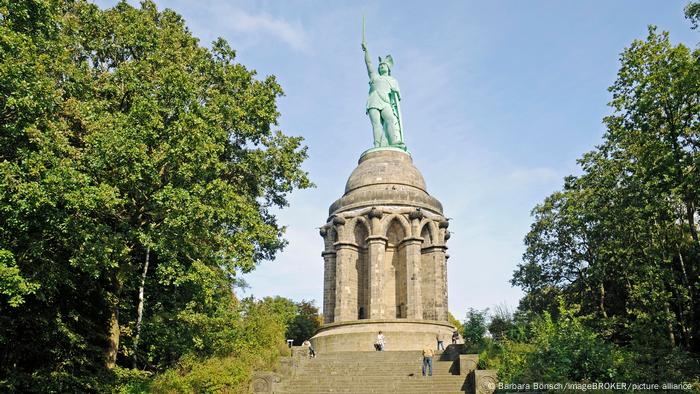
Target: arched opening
395, 254
428, 279
362, 268
425, 234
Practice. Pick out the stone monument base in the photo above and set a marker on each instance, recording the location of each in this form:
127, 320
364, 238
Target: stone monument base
399, 334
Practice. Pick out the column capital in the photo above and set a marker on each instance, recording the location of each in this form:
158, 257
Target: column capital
433, 248
377, 239
412, 240
345, 245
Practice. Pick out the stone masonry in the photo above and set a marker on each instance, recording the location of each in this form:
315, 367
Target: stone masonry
385, 248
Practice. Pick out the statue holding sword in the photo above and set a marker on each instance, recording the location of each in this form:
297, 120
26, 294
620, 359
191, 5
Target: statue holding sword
383, 105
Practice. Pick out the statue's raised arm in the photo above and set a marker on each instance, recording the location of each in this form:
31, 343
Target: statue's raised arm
383, 105
368, 59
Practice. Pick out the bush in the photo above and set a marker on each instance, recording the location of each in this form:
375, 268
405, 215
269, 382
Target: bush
251, 339
131, 381
212, 375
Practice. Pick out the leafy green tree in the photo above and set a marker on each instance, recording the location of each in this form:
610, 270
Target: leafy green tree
475, 327
301, 319
501, 323
456, 323
621, 239
692, 12
138, 171
229, 349
304, 325
562, 350
12, 284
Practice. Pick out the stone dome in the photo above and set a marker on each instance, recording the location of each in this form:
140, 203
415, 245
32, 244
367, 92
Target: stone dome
385, 167
385, 177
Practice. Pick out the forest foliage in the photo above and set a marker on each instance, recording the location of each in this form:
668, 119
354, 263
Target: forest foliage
611, 271
138, 174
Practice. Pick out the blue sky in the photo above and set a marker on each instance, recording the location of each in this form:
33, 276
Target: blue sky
499, 99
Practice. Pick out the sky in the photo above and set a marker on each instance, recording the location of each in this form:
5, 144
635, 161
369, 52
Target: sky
499, 100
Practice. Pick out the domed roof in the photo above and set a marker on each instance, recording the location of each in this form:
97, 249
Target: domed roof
385, 167
385, 177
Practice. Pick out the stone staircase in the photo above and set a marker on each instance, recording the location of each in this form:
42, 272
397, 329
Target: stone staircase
374, 372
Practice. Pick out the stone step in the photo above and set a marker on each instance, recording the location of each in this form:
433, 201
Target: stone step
367, 391
429, 383
373, 372
408, 388
353, 374
365, 383
368, 365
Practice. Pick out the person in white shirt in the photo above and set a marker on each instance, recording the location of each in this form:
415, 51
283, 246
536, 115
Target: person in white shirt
379, 345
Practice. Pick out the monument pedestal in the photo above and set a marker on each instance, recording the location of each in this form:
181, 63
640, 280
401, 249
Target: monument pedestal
399, 334
361, 335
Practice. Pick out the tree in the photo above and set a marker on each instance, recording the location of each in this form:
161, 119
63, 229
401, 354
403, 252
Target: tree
301, 319
621, 240
304, 325
138, 171
456, 323
501, 323
692, 13
475, 327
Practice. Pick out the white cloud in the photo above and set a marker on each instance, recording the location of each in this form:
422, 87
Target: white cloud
533, 176
244, 22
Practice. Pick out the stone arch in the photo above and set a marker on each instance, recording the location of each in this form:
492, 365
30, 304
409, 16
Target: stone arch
388, 220
427, 232
340, 232
430, 272
360, 230
396, 229
332, 235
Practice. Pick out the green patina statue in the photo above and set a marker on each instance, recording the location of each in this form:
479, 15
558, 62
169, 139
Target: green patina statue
383, 105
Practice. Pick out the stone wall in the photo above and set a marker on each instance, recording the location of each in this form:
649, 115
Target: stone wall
385, 263
360, 335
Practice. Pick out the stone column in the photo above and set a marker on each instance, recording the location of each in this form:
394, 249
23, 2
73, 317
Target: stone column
441, 273
328, 286
376, 247
345, 286
431, 282
345, 290
440, 283
414, 299
445, 311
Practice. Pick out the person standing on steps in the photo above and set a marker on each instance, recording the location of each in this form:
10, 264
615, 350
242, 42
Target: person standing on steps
440, 343
379, 345
428, 360
306, 343
455, 337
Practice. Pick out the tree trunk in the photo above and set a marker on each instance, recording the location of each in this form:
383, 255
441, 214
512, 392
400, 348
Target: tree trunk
114, 332
688, 335
669, 325
601, 304
690, 217
113, 348
140, 307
